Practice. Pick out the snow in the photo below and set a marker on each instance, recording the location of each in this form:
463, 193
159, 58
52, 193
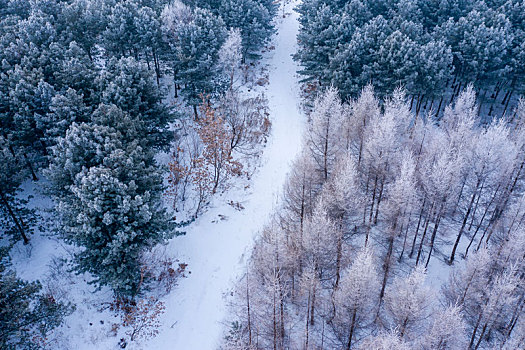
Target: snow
215, 247
216, 250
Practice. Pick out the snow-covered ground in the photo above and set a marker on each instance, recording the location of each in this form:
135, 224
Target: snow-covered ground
216, 249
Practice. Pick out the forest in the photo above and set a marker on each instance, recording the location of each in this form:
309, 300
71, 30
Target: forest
401, 221
133, 131
84, 110
433, 48
377, 200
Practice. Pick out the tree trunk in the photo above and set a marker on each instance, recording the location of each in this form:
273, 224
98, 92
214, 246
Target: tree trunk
405, 238
248, 309
307, 335
481, 336
338, 259
28, 163
373, 201
474, 332
379, 200
274, 319
417, 229
507, 103
312, 307
474, 211
352, 326
463, 224
156, 64
433, 238
281, 311
481, 221
386, 267
439, 107
195, 112
18, 223
422, 240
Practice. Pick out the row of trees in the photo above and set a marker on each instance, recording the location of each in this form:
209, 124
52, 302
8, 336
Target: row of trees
377, 196
81, 104
432, 48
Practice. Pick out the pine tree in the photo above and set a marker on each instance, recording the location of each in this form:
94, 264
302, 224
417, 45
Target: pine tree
108, 192
26, 314
16, 220
195, 39
253, 19
127, 84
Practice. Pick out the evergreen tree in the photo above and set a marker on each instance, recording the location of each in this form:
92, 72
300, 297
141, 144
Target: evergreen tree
109, 201
26, 314
196, 39
16, 220
127, 84
254, 20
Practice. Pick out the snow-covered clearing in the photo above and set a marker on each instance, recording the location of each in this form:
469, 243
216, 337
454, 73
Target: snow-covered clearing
216, 250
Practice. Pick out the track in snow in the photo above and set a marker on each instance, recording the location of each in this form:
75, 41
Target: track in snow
216, 252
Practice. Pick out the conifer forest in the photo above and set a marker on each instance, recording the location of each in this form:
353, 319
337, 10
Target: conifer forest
262, 174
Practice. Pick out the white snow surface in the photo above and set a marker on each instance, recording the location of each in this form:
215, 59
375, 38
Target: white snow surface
216, 250
216, 246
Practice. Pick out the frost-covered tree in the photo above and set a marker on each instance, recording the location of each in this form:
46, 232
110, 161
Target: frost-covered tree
401, 198
323, 137
448, 331
356, 297
65, 109
408, 303
27, 315
108, 200
230, 53
270, 316
121, 33
127, 84
365, 108
253, 18
85, 22
195, 39
384, 341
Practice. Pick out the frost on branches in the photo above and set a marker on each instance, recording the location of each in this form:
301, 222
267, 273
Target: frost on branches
216, 147
379, 198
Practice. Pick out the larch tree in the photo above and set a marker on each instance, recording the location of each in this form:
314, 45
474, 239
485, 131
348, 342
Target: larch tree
230, 54
323, 137
384, 341
408, 304
400, 201
448, 331
356, 298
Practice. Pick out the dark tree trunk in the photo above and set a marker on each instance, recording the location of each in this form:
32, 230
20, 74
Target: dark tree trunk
463, 224
352, 327
417, 229
386, 266
433, 238
18, 222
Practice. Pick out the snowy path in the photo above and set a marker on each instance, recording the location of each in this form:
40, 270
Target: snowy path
217, 252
